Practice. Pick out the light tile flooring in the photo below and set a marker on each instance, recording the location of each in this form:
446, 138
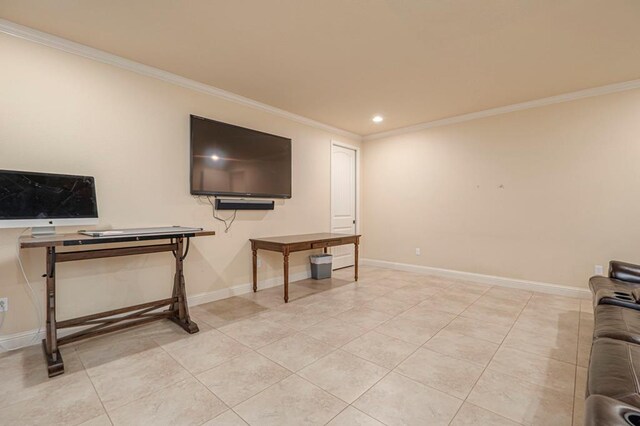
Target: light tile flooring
395, 349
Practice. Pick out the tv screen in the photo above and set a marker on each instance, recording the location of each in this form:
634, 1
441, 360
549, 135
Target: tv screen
234, 161
28, 195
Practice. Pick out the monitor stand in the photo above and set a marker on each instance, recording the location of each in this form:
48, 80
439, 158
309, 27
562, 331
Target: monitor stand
43, 231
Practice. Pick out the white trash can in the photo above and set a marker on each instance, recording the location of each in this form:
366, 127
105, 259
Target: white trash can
321, 266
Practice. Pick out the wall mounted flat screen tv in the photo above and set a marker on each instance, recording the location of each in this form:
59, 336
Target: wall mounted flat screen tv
230, 160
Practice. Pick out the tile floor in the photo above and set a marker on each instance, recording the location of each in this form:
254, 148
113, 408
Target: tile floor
395, 349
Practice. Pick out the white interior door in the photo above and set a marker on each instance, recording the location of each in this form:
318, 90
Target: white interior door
343, 201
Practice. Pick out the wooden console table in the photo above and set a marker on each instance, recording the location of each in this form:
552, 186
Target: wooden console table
113, 320
293, 243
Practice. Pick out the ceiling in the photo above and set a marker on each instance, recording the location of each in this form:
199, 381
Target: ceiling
341, 62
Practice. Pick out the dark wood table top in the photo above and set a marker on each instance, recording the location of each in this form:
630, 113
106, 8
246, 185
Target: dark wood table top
304, 238
76, 239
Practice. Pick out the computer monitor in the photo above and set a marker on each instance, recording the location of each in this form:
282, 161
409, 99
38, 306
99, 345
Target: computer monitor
44, 200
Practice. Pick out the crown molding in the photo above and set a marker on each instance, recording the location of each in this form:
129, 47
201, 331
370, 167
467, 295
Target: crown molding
72, 47
572, 96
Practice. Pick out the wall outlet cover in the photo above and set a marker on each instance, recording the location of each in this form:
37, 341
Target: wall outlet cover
599, 270
4, 304
418, 251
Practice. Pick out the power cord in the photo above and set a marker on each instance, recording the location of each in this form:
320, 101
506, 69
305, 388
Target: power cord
32, 293
228, 221
4, 313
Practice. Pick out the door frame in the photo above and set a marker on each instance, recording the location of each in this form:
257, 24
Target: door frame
357, 192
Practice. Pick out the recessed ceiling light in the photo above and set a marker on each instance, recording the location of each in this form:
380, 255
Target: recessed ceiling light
377, 119
215, 157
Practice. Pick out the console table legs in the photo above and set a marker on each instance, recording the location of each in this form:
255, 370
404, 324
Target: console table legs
286, 248
182, 318
105, 322
255, 269
286, 276
356, 260
55, 364
179, 291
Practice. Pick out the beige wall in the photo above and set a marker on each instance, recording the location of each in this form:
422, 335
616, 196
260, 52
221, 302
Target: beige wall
541, 195
569, 173
62, 113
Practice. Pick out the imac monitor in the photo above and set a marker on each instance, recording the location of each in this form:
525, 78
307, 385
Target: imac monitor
44, 200
234, 161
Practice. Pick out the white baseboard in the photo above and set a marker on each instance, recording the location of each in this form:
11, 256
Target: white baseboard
33, 337
20, 340
557, 289
223, 293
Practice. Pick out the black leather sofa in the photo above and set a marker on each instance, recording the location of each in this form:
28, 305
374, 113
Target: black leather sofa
620, 288
613, 382
604, 411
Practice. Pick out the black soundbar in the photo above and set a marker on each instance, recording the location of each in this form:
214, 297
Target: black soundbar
240, 204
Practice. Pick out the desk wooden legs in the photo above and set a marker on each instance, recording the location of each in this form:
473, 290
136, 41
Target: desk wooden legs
181, 315
287, 245
255, 269
106, 322
356, 260
285, 265
286, 275
55, 364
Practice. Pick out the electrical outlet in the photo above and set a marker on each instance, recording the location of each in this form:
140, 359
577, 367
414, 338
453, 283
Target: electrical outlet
599, 270
4, 304
418, 251
259, 263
